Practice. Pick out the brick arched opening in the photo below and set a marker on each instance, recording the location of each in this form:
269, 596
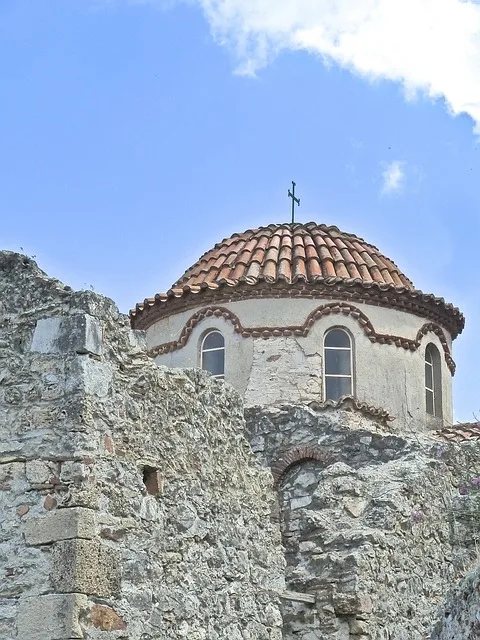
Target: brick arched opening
295, 456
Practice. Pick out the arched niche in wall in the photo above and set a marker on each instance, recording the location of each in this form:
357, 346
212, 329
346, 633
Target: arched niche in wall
296, 491
297, 473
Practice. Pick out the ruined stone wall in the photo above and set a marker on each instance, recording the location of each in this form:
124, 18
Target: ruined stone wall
460, 617
131, 504
368, 522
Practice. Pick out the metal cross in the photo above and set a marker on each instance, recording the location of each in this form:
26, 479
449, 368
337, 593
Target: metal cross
291, 194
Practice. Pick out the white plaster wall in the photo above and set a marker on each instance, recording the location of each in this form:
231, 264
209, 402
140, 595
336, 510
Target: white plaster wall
284, 370
288, 311
238, 351
289, 369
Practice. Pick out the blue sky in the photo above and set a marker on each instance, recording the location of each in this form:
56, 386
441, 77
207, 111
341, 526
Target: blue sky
134, 135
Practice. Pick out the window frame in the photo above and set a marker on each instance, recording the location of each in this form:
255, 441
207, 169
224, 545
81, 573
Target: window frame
326, 375
209, 332
432, 352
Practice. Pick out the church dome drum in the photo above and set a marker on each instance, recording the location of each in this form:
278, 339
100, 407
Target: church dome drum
308, 313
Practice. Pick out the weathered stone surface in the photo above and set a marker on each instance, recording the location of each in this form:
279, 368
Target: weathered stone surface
60, 524
49, 503
131, 504
22, 510
105, 619
50, 617
459, 618
39, 472
46, 335
372, 528
270, 376
80, 333
192, 555
85, 566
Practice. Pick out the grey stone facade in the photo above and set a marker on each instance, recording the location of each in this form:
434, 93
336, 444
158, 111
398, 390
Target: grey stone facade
460, 618
374, 528
131, 504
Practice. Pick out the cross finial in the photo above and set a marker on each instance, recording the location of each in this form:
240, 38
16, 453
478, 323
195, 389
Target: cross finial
291, 194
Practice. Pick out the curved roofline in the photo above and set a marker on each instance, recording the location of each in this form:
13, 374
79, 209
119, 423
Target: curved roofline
295, 260
273, 225
296, 225
425, 305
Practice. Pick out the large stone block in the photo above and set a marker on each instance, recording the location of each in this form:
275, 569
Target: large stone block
61, 524
38, 471
50, 617
80, 333
85, 566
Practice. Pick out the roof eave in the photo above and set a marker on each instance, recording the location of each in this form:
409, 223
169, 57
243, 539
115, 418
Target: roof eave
410, 300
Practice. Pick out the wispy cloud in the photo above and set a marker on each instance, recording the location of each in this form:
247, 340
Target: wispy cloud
393, 178
432, 46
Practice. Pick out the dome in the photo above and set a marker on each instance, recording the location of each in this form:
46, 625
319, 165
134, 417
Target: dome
292, 253
305, 260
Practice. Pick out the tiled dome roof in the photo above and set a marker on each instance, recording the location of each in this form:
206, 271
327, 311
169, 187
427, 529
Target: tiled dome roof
309, 259
291, 253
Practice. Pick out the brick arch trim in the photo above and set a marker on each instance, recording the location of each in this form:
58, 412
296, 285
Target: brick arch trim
332, 308
430, 327
297, 455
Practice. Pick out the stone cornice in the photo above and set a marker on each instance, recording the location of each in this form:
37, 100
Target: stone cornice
333, 308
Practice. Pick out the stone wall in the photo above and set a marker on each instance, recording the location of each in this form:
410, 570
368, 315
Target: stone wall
368, 521
131, 504
460, 618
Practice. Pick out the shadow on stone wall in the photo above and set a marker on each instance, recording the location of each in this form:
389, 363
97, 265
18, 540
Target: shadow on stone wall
376, 527
460, 618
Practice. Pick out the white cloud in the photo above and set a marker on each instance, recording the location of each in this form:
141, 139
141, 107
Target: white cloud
431, 46
393, 177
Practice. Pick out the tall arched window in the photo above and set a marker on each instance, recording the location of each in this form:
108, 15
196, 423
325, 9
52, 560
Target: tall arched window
338, 365
433, 381
212, 354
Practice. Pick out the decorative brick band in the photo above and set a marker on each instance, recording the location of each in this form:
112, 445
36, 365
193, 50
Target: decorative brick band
207, 312
350, 290
332, 308
296, 455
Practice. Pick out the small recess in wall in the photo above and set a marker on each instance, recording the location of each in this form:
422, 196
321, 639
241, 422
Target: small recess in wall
153, 480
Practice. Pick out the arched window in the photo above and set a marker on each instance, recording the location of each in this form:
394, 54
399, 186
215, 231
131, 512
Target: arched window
433, 381
213, 354
338, 365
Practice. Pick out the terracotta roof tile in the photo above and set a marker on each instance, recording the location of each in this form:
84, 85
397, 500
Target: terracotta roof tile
295, 251
349, 403
285, 251
254, 271
313, 254
467, 431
